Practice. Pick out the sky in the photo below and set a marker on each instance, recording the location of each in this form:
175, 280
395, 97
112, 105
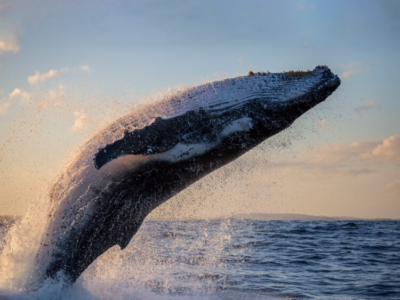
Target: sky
67, 68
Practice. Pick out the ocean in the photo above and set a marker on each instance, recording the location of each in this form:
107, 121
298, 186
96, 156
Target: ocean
231, 259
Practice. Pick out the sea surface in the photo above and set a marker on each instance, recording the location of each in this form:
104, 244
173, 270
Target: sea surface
230, 259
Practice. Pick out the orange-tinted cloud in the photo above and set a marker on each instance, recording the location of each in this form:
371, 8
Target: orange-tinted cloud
22, 95
368, 106
347, 74
348, 159
4, 108
84, 68
9, 44
387, 151
320, 124
339, 152
37, 78
80, 121
352, 68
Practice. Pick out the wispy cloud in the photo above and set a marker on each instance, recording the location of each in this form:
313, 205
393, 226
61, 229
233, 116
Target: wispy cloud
40, 77
368, 106
80, 121
37, 78
387, 150
347, 159
320, 124
339, 152
347, 74
352, 68
24, 96
300, 8
4, 108
51, 99
84, 68
9, 44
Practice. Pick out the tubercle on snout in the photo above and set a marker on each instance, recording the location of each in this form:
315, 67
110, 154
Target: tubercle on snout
292, 73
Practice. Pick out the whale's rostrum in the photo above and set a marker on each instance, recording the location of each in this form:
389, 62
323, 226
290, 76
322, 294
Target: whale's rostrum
150, 155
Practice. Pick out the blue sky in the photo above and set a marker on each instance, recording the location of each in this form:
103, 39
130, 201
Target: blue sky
67, 67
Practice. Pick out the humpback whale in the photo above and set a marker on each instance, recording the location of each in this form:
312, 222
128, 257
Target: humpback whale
145, 158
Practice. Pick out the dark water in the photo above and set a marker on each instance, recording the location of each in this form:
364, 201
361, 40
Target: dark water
254, 259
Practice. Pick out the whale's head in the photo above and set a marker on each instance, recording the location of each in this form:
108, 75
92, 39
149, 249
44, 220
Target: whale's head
276, 100
205, 115
311, 87
270, 91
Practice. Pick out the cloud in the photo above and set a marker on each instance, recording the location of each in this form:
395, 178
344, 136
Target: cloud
59, 94
347, 159
84, 68
367, 106
393, 187
4, 108
339, 152
347, 74
352, 68
24, 96
387, 151
300, 8
306, 43
38, 77
51, 99
35, 79
80, 121
9, 44
324, 170
320, 124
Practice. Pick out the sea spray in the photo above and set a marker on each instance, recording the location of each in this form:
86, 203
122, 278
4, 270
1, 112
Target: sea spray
17, 259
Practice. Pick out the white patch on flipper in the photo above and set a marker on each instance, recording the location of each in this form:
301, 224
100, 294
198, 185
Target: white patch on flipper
243, 124
185, 151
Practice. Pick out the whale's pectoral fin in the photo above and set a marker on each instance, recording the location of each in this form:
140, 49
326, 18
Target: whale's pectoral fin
160, 136
124, 237
157, 137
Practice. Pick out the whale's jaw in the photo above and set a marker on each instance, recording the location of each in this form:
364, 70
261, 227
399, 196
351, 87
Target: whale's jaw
134, 174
